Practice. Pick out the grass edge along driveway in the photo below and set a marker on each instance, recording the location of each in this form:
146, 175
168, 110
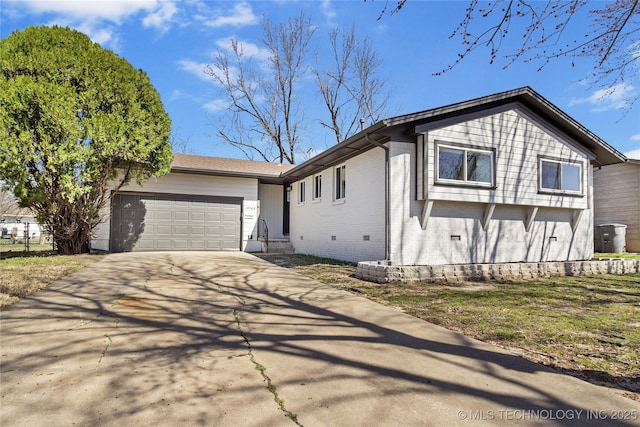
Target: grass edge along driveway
22, 275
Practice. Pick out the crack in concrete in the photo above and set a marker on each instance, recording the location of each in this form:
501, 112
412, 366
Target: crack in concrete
107, 336
259, 367
105, 349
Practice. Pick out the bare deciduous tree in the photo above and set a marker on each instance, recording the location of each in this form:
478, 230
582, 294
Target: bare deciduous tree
611, 42
399, 5
351, 87
8, 203
265, 118
264, 88
180, 144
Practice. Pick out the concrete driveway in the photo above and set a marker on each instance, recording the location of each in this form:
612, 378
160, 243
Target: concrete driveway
227, 339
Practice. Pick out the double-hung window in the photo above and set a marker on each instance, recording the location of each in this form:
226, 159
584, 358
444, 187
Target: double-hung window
463, 165
317, 187
301, 192
340, 182
560, 176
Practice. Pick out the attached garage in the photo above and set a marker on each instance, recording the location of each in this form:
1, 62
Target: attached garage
161, 222
203, 204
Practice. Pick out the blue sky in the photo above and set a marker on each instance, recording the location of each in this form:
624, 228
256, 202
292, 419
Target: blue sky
174, 40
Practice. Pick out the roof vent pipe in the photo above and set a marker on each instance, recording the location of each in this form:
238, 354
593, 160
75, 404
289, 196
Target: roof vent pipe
362, 123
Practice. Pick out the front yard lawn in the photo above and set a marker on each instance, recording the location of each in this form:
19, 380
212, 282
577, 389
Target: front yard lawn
24, 274
586, 326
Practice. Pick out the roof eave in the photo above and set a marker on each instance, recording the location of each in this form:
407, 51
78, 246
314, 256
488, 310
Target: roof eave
605, 153
236, 174
336, 154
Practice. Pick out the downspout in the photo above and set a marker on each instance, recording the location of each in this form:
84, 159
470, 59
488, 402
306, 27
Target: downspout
387, 208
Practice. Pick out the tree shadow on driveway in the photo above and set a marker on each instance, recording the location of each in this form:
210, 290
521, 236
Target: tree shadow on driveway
228, 339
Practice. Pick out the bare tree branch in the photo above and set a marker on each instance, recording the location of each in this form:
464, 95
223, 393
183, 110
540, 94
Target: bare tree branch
8, 203
350, 87
612, 43
265, 116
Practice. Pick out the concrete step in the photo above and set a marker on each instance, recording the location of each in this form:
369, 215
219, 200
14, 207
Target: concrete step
279, 246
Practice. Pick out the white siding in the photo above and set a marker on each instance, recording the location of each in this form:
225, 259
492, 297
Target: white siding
519, 140
616, 199
361, 213
192, 184
454, 232
271, 209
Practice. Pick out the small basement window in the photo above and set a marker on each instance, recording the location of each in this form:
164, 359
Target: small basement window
558, 176
464, 165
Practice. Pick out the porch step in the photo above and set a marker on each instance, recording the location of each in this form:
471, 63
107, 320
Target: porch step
277, 246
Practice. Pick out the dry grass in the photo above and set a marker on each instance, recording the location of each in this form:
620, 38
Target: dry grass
25, 274
625, 255
588, 327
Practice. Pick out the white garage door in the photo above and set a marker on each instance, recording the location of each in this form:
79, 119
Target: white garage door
156, 222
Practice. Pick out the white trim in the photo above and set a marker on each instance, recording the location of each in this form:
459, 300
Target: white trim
576, 163
464, 149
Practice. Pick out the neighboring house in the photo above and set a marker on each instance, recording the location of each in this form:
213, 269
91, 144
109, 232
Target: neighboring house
616, 199
504, 178
15, 222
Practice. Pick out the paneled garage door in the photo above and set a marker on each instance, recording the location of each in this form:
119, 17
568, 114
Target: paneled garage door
156, 222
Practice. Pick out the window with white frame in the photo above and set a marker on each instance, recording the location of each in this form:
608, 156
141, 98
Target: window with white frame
464, 165
301, 192
560, 176
317, 187
340, 182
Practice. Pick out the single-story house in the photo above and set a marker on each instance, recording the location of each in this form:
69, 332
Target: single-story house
616, 199
15, 222
503, 178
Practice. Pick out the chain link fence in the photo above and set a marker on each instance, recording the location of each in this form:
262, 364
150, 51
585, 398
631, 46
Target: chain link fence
24, 237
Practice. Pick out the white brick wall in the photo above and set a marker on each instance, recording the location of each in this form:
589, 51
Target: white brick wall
192, 184
361, 214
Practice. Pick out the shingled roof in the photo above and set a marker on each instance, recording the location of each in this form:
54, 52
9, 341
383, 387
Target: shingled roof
378, 132
188, 163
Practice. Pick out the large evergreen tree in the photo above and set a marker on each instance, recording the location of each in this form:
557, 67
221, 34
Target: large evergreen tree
77, 122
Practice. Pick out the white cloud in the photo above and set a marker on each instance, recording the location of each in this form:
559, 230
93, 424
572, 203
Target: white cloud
636, 137
249, 50
241, 15
634, 154
327, 10
216, 105
100, 19
195, 68
161, 17
95, 9
105, 36
613, 98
